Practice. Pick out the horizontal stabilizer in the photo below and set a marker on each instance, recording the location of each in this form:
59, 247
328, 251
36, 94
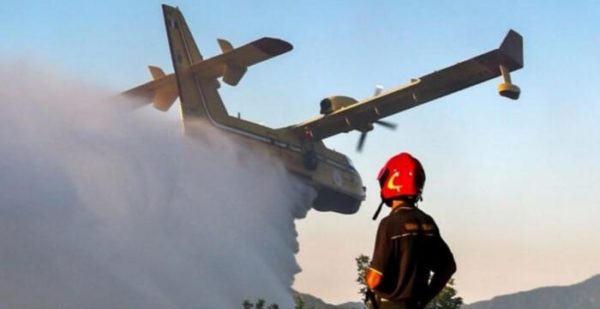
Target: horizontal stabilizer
161, 91
232, 64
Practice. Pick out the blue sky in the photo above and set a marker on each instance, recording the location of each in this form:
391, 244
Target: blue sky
512, 184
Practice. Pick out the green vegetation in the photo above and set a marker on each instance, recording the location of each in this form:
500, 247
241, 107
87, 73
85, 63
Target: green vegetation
260, 304
299, 302
362, 263
446, 299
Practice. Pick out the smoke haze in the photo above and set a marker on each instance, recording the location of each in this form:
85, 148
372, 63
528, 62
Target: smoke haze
101, 207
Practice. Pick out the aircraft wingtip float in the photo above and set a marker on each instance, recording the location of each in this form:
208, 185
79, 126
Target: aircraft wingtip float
300, 146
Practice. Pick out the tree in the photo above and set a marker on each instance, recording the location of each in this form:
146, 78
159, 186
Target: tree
362, 263
299, 302
446, 299
247, 304
260, 304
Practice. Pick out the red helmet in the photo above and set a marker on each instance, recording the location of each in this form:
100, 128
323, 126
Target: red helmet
402, 176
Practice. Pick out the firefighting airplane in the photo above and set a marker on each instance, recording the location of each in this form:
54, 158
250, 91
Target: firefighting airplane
300, 146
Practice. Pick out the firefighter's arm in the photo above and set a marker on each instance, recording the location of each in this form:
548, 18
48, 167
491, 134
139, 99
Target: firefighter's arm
372, 278
442, 272
380, 257
439, 281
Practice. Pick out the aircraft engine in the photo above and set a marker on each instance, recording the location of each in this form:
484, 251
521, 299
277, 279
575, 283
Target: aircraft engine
334, 103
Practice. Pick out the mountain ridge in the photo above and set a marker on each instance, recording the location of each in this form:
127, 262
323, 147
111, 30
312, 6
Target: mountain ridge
582, 295
313, 302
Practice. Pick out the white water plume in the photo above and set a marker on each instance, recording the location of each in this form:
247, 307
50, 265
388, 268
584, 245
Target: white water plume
101, 207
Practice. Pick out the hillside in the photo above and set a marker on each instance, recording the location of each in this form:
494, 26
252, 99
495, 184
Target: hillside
584, 295
312, 302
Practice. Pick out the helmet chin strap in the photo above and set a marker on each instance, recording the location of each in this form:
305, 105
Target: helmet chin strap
378, 210
416, 205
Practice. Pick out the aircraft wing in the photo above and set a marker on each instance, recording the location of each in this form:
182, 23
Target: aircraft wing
362, 114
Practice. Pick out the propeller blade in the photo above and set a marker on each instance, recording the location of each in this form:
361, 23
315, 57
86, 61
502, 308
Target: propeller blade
389, 125
361, 141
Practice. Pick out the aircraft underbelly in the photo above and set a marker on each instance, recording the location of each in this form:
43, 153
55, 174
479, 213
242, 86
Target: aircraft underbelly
339, 187
336, 201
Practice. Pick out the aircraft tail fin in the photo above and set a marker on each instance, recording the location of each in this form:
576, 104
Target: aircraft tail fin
196, 80
198, 95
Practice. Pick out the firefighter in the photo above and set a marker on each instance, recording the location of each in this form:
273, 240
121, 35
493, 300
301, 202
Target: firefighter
411, 262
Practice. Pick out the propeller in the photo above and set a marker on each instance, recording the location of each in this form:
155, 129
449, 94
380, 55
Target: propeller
387, 124
363, 134
361, 141
369, 127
